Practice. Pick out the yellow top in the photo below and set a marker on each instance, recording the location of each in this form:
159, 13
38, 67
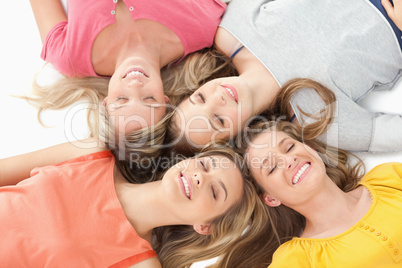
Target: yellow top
374, 241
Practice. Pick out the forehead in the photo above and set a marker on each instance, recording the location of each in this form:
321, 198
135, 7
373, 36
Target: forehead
268, 139
229, 174
135, 117
224, 169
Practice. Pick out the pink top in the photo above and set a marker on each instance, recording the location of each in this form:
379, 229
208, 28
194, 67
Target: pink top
69, 43
68, 215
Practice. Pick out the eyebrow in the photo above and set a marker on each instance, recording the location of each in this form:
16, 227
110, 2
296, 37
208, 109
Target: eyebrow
224, 188
189, 98
282, 141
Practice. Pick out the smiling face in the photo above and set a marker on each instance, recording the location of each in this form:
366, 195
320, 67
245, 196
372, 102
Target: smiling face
289, 171
135, 98
201, 189
217, 110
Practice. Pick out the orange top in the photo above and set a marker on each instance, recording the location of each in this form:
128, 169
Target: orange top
68, 214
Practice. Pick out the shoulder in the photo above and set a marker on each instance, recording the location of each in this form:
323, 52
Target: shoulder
389, 174
225, 42
293, 253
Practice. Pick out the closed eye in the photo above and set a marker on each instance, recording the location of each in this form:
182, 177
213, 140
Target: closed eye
272, 170
220, 120
201, 97
213, 192
203, 165
290, 148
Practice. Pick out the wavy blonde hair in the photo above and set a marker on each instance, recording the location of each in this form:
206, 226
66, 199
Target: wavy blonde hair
281, 224
180, 246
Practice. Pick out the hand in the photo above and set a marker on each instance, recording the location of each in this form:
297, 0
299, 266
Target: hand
394, 12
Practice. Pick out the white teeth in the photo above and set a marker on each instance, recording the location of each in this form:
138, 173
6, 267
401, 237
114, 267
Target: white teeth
135, 73
299, 173
187, 190
231, 92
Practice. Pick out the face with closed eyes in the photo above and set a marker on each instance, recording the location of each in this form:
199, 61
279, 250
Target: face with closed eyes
135, 98
218, 110
200, 189
289, 171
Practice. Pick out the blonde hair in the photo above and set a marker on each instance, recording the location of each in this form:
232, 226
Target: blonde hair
136, 152
180, 246
283, 223
67, 91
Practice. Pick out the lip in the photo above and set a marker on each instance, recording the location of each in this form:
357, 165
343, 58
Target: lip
297, 170
144, 74
190, 185
235, 96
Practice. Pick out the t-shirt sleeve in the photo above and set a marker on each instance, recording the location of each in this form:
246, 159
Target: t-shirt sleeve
54, 48
386, 176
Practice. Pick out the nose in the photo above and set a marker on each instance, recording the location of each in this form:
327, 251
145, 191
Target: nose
218, 98
291, 162
199, 179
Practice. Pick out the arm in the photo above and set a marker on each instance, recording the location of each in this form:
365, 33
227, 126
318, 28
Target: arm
394, 11
225, 42
354, 128
150, 263
17, 168
47, 14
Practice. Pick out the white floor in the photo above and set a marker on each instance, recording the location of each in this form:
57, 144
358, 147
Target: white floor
19, 61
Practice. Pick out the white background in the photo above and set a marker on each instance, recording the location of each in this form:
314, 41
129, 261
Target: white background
20, 131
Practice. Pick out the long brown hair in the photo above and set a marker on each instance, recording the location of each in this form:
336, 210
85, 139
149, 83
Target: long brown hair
283, 223
322, 119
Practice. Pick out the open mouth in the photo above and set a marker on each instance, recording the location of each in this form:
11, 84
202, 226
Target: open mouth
231, 92
186, 186
299, 174
136, 72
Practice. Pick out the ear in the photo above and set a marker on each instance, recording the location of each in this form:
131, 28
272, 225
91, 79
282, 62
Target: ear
203, 229
104, 102
167, 100
270, 201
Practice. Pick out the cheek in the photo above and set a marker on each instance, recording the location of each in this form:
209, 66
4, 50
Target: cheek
112, 84
204, 209
312, 151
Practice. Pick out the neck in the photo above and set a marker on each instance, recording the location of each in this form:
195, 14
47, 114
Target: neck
333, 211
261, 83
128, 38
143, 206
